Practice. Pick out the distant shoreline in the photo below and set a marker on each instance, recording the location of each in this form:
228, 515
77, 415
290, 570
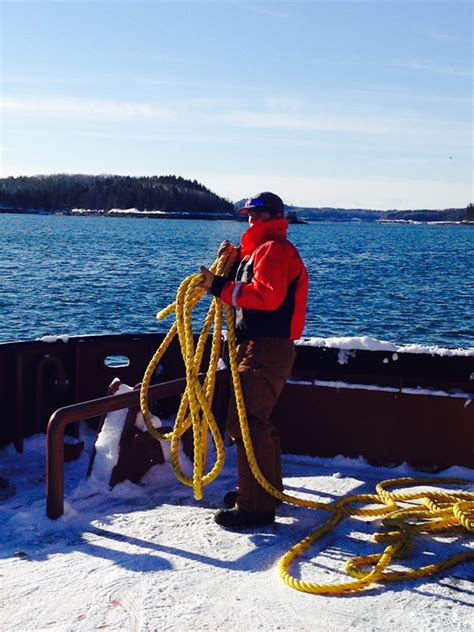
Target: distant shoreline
196, 215
125, 213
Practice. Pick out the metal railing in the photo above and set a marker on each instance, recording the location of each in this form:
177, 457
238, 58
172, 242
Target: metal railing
67, 415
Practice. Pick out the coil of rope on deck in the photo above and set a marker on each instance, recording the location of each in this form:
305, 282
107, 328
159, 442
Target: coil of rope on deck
439, 511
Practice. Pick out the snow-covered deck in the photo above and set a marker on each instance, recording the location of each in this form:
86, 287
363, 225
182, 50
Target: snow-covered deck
151, 558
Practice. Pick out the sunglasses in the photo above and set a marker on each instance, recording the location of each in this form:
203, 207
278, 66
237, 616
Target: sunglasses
254, 202
257, 205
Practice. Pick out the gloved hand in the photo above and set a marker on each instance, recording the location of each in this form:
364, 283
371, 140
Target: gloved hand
207, 279
225, 245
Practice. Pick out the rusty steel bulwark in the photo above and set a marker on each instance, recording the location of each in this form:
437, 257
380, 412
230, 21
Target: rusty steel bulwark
37, 377
429, 432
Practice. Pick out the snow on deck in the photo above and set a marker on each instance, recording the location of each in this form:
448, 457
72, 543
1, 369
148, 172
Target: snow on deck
150, 557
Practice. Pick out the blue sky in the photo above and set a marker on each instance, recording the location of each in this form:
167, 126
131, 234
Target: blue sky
328, 103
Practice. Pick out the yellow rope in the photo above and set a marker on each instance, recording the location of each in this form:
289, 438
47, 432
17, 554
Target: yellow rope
437, 512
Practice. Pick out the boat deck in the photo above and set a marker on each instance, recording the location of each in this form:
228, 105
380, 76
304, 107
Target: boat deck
150, 557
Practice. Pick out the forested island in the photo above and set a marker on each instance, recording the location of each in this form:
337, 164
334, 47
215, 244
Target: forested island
63, 193
173, 196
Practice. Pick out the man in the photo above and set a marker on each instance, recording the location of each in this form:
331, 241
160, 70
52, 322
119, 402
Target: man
269, 295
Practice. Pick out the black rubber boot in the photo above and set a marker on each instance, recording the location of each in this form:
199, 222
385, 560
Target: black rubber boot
230, 499
238, 519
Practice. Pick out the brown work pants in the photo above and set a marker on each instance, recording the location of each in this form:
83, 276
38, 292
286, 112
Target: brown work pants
264, 367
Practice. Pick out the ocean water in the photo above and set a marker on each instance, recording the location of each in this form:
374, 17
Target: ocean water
89, 275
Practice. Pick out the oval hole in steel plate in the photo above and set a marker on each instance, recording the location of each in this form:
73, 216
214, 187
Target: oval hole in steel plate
117, 361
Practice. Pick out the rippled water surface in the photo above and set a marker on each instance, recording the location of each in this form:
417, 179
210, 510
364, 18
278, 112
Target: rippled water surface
84, 275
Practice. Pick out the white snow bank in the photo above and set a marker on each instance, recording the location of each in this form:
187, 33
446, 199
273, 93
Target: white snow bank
372, 344
141, 425
62, 338
107, 443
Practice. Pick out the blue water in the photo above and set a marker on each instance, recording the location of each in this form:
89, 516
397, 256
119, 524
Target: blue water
88, 275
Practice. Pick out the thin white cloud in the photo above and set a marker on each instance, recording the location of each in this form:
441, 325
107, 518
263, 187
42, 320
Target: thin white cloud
211, 116
283, 115
300, 122
95, 108
372, 92
427, 66
364, 121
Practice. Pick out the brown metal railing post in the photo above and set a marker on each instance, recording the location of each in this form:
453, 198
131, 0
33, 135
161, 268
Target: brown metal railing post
55, 467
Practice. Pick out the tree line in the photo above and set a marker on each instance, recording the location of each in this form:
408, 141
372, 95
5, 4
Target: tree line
367, 215
63, 192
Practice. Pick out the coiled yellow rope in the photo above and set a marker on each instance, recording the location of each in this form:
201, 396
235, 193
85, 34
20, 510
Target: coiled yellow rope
437, 512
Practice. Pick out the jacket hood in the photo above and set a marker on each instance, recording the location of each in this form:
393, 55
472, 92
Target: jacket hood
260, 232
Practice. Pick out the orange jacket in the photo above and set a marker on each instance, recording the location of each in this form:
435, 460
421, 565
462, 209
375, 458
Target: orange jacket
271, 284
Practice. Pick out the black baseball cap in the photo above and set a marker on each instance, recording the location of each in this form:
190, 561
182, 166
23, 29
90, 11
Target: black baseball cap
265, 202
